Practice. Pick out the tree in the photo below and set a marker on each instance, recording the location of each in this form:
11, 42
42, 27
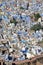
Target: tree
13, 21
37, 16
27, 5
21, 8
37, 27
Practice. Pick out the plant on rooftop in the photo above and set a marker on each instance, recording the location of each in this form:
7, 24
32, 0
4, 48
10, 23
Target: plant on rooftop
13, 21
37, 16
36, 27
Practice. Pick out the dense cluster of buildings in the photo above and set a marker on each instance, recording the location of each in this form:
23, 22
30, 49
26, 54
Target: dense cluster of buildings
19, 40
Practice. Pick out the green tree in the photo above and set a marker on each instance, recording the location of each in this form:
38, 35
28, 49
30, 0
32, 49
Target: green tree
13, 21
37, 27
37, 16
21, 8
